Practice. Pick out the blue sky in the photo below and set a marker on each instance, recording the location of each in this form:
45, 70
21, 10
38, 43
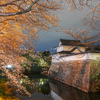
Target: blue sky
49, 40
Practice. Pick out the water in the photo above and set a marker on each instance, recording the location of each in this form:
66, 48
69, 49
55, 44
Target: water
60, 91
41, 91
50, 89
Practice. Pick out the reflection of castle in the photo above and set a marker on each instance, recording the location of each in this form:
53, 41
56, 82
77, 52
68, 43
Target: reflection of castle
60, 91
73, 66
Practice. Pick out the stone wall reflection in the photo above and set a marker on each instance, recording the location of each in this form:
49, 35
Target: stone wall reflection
60, 91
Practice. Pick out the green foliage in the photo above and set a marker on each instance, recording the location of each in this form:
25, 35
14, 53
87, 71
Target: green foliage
95, 69
46, 57
46, 53
97, 47
38, 61
28, 57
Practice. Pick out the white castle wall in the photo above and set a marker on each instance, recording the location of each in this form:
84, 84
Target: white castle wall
85, 56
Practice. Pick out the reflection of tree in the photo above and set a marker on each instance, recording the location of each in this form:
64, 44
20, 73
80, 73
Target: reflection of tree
41, 85
45, 89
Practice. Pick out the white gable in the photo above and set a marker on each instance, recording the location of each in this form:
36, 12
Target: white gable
60, 43
59, 48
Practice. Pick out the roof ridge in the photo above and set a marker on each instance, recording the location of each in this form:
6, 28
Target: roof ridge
69, 40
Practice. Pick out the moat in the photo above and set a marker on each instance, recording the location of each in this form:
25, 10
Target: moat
49, 89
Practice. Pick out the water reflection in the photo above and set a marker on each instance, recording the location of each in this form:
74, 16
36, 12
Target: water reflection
41, 84
39, 91
60, 91
48, 89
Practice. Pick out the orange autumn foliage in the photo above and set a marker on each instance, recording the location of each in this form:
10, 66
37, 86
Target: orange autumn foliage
19, 30
5, 91
20, 20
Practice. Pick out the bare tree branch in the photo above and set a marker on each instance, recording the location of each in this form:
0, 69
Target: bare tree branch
19, 12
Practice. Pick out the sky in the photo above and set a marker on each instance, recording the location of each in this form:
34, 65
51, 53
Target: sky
49, 40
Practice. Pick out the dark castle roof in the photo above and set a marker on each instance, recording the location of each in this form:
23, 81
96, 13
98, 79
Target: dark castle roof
71, 42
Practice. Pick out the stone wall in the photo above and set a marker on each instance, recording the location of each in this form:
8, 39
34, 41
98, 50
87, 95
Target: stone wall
82, 74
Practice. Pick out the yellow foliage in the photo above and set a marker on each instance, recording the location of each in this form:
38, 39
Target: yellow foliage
6, 91
8, 98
